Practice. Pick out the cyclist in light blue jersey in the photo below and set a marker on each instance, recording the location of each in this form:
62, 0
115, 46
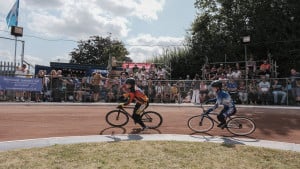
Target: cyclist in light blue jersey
222, 98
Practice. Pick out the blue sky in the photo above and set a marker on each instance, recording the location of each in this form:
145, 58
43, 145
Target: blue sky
137, 22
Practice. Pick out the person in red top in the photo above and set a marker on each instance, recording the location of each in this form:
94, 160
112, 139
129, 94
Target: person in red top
265, 67
142, 101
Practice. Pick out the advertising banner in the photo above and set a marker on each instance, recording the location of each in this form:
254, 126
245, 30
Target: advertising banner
20, 84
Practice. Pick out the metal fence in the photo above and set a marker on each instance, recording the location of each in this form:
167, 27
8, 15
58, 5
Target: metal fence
271, 91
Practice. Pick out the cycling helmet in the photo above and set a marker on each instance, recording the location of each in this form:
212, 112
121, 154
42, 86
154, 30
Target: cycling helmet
130, 81
217, 84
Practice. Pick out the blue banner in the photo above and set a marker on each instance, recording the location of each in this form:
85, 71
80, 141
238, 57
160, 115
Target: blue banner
20, 84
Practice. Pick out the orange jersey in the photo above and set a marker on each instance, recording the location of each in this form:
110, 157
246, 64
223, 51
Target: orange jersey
137, 95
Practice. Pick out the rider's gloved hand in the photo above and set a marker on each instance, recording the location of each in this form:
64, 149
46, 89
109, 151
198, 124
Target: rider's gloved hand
121, 105
209, 110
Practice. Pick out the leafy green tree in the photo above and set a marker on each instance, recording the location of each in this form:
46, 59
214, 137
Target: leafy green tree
97, 50
272, 24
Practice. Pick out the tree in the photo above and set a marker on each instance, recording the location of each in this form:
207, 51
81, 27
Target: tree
97, 50
274, 27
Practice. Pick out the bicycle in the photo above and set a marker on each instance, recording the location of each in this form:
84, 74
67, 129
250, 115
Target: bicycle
120, 117
238, 125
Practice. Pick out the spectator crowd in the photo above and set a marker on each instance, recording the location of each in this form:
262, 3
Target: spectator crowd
250, 85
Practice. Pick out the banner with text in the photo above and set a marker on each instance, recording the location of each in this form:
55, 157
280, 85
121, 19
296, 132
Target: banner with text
20, 84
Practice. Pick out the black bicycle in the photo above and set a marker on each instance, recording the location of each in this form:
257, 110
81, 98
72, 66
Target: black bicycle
120, 117
237, 125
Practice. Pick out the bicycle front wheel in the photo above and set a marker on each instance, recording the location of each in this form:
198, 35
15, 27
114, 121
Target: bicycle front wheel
241, 126
200, 123
117, 118
152, 119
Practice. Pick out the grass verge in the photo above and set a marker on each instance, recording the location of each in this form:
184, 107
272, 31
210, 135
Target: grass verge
149, 155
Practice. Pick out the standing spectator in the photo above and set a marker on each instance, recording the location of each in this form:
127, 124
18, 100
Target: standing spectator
21, 72
122, 78
232, 89
138, 74
151, 91
295, 82
236, 74
243, 94
251, 67
252, 92
264, 90
135, 69
166, 91
144, 70
278, 91
127, 69
188, 83
196, 90
159, 89
96, 80
174, 93
203, 91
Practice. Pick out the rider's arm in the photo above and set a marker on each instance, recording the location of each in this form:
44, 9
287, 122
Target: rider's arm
130, 98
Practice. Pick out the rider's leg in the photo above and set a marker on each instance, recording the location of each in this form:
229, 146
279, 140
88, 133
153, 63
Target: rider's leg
138, 109
226, 112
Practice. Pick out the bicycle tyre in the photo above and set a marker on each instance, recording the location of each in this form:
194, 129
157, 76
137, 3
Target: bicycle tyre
241, 126
117, 118
152, 119
200, 123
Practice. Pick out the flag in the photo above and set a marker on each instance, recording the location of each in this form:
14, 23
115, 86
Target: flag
12, 17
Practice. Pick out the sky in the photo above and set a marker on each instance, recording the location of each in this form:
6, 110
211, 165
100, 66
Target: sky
53, 27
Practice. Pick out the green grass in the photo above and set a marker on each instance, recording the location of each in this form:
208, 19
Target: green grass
149, 155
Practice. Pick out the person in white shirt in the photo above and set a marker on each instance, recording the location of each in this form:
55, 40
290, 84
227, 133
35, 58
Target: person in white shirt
21, 72
264, 90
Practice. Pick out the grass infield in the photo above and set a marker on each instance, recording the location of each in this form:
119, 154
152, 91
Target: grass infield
149, 155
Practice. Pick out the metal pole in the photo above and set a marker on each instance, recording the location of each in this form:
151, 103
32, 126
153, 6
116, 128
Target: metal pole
22, 54
246, 72
15, 56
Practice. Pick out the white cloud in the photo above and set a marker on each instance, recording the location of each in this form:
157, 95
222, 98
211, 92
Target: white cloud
145, 46
77, 19
143, 9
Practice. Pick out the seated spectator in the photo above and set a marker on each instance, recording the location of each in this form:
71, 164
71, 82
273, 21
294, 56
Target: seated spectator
84, 90
252, 92
295, 82
265, 68
264, 90
187, 98
223, 77
243, 94
278, 91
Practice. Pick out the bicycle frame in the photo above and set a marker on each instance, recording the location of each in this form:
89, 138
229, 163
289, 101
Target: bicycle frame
127, 113
205, 114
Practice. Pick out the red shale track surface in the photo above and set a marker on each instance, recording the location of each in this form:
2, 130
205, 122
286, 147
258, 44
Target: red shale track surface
28, 121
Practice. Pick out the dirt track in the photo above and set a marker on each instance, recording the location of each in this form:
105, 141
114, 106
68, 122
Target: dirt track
18, 122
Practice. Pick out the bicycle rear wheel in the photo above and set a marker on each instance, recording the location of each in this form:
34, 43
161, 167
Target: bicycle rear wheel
241, 126
200, 123
152, 119
117, 118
